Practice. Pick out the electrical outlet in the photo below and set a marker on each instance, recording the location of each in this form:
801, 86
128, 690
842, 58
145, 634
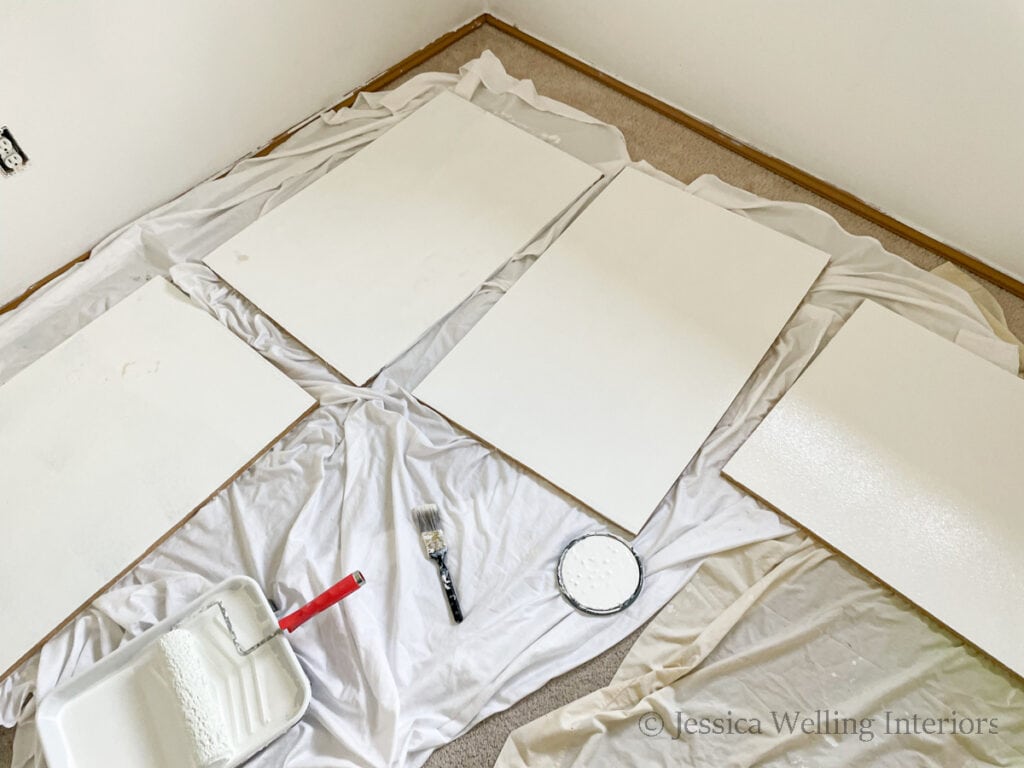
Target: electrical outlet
12, 157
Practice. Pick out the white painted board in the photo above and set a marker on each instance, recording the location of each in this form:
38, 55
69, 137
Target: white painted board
611, 360
905, 452
362, 262
112, 439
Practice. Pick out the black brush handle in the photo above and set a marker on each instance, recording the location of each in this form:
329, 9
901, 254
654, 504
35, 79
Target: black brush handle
449, 588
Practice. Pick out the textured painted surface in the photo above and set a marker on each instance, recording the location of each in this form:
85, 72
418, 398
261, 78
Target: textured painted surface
366, 259
185, 669
98, 441
904, 452
625, 343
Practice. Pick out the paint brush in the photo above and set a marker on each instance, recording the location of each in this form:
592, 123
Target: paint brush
428, 520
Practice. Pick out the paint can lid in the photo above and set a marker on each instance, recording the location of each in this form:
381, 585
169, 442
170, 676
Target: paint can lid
599, 573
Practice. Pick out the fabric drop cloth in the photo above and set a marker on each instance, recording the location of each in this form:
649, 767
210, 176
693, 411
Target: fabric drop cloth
392, 679
778, 633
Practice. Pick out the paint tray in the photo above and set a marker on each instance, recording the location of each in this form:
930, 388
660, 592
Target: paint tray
122, 712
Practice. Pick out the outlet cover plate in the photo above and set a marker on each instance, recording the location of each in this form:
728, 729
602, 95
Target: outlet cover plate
12, 156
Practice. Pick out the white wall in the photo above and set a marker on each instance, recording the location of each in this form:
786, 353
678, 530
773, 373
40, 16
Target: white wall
915, 106
122, 105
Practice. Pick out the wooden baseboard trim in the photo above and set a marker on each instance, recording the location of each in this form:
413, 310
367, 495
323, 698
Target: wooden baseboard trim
382, 80
15, 302
774, 164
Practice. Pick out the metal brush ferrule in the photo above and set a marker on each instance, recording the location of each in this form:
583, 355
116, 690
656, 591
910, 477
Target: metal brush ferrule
434, 542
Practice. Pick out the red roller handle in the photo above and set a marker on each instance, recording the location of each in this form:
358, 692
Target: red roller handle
322, 602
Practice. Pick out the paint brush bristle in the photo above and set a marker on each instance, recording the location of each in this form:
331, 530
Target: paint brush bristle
428, 520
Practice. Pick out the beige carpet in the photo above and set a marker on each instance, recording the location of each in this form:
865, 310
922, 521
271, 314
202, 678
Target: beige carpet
685, 155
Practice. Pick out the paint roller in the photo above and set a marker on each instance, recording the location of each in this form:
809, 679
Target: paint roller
182, 666
180, 662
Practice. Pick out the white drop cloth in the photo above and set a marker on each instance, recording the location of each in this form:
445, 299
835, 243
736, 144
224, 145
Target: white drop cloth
392, 678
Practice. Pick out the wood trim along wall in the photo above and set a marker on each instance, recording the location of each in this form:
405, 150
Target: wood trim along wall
774, 164
389, 75
40, 283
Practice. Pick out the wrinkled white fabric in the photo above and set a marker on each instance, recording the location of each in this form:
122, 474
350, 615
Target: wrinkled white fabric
392, 678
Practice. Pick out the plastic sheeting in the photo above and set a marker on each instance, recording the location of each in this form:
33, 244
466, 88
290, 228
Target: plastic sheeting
392, 679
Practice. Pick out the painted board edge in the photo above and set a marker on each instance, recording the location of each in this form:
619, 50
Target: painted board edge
598, 517
291, 336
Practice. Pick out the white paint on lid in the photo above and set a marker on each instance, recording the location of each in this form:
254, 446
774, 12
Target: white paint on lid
599, 573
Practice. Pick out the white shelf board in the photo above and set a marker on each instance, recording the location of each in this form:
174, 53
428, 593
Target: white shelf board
611, 360
361, 263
